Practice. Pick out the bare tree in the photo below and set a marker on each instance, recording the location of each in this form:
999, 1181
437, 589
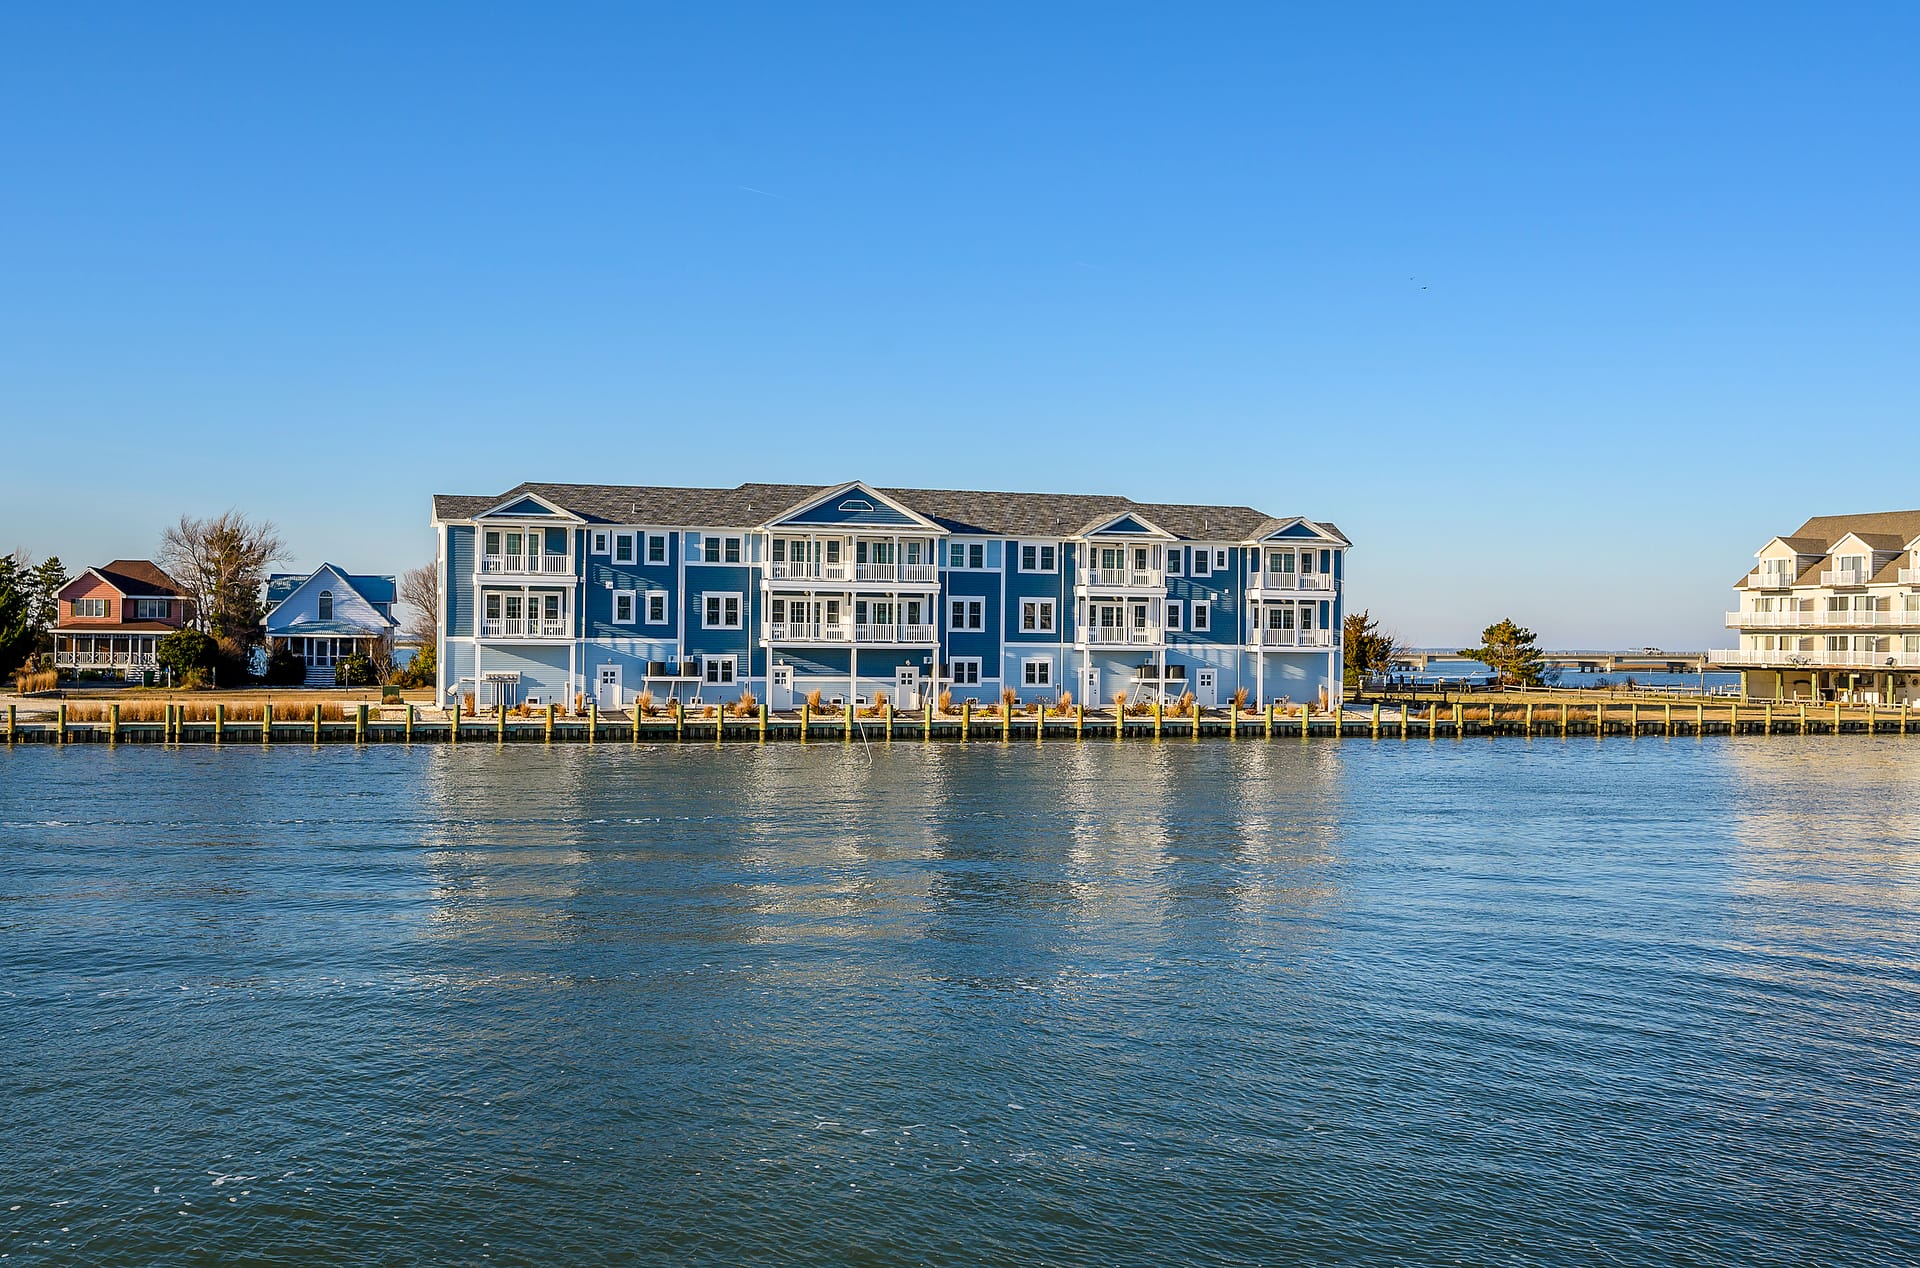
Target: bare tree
420, 590
222, 564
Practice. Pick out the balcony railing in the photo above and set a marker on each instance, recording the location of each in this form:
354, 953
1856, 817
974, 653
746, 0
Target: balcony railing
1844, 576
800, 570
1125, 577
1764, 580
529, 565
1820, 619
807, 631
1821, 658
105, 660
1317, 581
522, 627
1291, 638
893, 633
1910, 576
1136, 635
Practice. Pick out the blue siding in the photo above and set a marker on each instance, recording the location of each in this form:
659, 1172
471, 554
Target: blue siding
459, 615
835, 511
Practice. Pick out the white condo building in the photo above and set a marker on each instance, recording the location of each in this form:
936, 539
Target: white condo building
1832, 612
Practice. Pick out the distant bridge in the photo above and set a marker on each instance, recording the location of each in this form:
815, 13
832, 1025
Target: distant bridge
1646, 660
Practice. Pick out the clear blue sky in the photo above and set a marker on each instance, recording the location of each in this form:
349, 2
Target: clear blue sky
1559, 313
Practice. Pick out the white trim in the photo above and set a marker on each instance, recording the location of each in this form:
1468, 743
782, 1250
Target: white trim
782, 520
716, 660
1202, 562
698, 555
627, 539
1202, 622
661, 595
557, 510
1221, 561
633, 607
1048, 608
1039, 549
967, 600
708, 597
599, 541
1176, 557
648, 559
1026, 671
1171, 616
975, 662
967, 547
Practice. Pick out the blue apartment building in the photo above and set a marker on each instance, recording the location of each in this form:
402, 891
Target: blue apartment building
559, 593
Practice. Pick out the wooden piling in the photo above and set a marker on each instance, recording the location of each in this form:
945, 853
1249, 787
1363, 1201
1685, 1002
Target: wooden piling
62, 718
1272, 708
1633, 719
1803, 717
1233, 721
1529, 719
1459, 722
13, 721
1433, 720
1158, 717
1700, 719
763, 722
889, 716
593, 721
360, 723
500, 722
1563, 718
1306, 714
846, 732
552, 708
966, 720
453, 731
1079, 719
806, 719
1376, 719
266, 724
926, 720
219, 723
409, 722
113, 723
679, 721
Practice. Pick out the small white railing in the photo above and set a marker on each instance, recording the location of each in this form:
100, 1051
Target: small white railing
1292, 581
801, 570
806, 631
1844, 577
893, 633
528, 565
1822, 658
105, 660
1137, 635
1291, 638
1909, 576
875, 572
919, 572
1124, 577
1824, 618
1762, 579
522, 627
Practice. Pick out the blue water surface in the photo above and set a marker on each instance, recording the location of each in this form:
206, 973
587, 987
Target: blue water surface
1539, 1002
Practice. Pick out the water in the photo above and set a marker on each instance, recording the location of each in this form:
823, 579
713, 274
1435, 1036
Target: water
1453, 671
1620, 1002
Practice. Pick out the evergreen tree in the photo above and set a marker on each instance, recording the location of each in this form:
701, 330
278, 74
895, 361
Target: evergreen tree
1509, 651
48, 580
17, 632
1367, 649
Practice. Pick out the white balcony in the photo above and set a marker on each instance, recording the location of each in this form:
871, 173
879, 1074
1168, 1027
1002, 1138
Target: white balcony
1820, 658
1910, 576
1125, 635
1762, 579
1290, 638
893, 634
1844, 576
1124, 578
792, 570
1818, 620
1292, 582
528, 565
522, 627
807, 631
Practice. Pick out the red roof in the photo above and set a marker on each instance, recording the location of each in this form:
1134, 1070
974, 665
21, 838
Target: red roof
139, 578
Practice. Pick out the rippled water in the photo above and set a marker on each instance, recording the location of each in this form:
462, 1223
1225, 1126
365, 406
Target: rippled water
1636, 1002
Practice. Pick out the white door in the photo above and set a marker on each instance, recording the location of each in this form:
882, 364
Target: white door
906, 688
606, 687
780, 687
1205, 693
1090, 687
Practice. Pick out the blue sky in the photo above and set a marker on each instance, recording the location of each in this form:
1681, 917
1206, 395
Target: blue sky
1559, 312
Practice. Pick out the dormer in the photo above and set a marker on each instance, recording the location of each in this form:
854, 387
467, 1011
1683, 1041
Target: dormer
1783, 560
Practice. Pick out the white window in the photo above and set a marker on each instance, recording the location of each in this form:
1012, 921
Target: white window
1173, 613
1220, 559
1202, 562
1036, 616
1202, 614
1038, 557
623, 548
722, 611
968, 614
656, 548
1176, 560
965, 671
1037, 672
599, 544
623, 607
150, 609
656, 607
89, 607
324, 609
966, 555
1280, 561
721, 550
717, 670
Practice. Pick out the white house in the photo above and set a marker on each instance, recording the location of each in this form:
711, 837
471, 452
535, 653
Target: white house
329, 615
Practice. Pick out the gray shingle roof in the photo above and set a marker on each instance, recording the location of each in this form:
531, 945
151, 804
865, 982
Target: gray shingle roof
956, 510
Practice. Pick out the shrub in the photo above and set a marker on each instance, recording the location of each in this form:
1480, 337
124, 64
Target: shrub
877, 708
284, 669
747, 706
813, 700
1009, 699
1063, 704
644, 703
27, 681
185, 652
946, 703
1240, 698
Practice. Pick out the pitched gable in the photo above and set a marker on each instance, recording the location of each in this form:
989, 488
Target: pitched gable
852, 505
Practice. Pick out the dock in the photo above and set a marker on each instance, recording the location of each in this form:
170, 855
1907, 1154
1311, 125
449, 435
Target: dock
1434, 721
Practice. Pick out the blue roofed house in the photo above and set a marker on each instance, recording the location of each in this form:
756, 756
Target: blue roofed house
329, 615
